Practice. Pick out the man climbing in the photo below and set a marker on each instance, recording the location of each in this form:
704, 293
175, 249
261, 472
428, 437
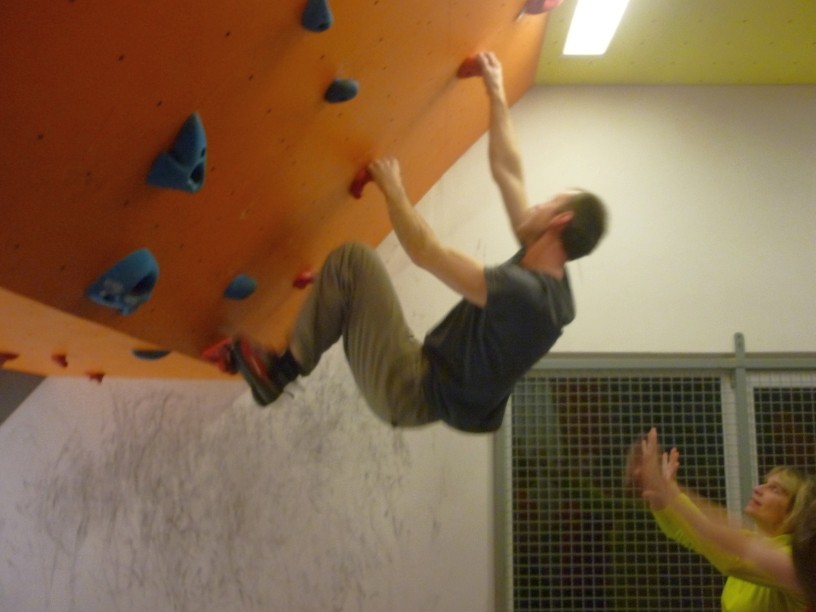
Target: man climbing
509, 317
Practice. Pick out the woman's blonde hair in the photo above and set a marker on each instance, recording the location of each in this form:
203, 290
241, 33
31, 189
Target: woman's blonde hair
794, 483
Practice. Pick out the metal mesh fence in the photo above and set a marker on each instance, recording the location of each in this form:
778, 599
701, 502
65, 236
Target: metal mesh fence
784, 408
581, 540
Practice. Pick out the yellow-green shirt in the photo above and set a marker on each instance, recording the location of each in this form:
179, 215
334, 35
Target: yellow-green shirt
747, 589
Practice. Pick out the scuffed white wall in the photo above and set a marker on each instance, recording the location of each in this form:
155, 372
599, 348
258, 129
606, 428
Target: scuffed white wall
147, 495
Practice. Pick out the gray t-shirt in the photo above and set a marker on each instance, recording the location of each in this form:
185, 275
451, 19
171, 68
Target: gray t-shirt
477, 354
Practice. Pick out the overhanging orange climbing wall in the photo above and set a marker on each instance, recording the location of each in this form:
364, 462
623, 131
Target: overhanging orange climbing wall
93, 91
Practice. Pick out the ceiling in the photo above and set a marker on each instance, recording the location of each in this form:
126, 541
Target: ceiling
735, 42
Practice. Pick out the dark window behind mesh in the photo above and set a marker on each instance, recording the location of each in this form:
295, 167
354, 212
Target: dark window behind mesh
785, 426
581, 540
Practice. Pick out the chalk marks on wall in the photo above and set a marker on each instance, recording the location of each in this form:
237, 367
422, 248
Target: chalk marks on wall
173, 502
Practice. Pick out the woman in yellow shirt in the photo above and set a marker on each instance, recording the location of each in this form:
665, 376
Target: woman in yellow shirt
763, 576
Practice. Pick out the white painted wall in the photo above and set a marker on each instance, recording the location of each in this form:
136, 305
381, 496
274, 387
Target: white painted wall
137, 495
146, 495
712, 195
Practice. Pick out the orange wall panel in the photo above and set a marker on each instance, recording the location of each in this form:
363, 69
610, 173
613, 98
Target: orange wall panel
94, 91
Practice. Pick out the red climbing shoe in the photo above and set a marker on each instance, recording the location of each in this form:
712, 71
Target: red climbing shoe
259, 367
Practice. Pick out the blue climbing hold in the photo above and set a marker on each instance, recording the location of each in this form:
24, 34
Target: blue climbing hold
183, 166
341, 90
128, 284
242, 286
317, 16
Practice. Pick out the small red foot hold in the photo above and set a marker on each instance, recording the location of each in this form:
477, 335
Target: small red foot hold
219, 354
61, 359
360, 180
469, 68
304, 279
95, 376
4, 357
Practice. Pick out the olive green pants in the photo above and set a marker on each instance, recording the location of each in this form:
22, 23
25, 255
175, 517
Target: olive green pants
353, 298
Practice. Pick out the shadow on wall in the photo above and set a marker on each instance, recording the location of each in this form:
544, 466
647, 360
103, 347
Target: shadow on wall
14, 388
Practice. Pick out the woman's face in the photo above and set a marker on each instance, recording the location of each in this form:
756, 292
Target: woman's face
769, 505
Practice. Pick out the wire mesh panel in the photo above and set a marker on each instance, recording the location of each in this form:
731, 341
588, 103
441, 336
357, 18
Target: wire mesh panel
581, 539
785, 413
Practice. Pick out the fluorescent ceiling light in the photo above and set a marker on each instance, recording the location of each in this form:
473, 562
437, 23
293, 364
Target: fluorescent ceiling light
593, 25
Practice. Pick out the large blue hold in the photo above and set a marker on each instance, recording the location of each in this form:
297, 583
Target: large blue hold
128, 284
184, 165
317, 16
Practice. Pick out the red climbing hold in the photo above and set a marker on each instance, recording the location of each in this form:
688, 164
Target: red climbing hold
304, 279
61, 359
469, 68
4, 357
95, 376
360, 180
219, 354
536, 7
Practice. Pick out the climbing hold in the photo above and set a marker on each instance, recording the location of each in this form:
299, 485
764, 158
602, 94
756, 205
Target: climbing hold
360, 180
469, 68
4, 357
61, 359
242, 286
149, 354
128, 284
219, 354
183, 166
536, 7
317, 16
304, 279
95, 376
341, 90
